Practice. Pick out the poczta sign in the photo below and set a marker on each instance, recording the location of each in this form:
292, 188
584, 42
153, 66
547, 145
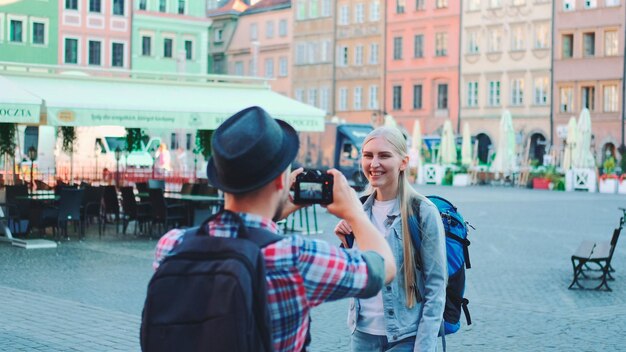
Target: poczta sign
15, 112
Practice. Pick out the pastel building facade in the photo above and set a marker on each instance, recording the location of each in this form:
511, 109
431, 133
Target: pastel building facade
589, 69
261, 44
29, 32
359, 75
95, 34
170, 36
313, 53
224, 16
422, 62
506, 65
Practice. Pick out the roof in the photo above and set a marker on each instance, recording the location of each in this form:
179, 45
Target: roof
229, 7
268, 5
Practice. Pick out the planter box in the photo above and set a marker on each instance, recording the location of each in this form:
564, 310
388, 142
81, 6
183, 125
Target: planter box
433, 174
541, 183
621, 186
608, 185
461, 180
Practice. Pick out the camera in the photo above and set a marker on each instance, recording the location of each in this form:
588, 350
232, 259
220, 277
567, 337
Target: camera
313, 187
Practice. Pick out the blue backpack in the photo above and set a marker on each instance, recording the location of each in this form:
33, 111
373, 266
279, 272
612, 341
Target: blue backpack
458, 259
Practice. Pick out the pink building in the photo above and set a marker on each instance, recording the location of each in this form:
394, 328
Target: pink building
422, 59
95, 34
261, 44
422, 56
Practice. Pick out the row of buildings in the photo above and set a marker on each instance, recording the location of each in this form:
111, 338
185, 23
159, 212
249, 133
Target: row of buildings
426, 60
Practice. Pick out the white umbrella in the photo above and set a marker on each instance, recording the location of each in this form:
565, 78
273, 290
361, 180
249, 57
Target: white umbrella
466, 146
572, 131
447, 146
390, 121
505, 162
415, 153
583, 158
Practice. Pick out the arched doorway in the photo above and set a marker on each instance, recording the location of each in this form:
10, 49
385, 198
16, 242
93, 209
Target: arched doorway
484, 145
537, 148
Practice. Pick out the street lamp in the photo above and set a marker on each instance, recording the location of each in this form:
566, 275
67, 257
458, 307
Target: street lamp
153, 155
32, 155
195, 163
118, 155
97, 151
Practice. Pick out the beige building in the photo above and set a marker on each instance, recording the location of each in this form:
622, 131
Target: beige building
360, 59
505, 65
313, 53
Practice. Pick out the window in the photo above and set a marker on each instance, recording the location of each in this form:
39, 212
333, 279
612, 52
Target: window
494, 93
609, 3
610, 98
418, 46
494, 4
591, 4
397, 48
400, 6
326, 6
300, 53
344, 15
357, 103
117, 55
373, 100
301, 12
359, 13
567, 45
95, 51
420, 5
283, 66
312, 96
441, 44
71, 51
95, 6
181, 7
589, 44
269, 29
374, 53
440, 4
162, 5
269, 68
343, 99
610, 43
495, 40
39, 33
567, 99
541, 91
313, 13
254, 31
167, 47
588, 95
519, 2
442, 96
474, 5
173, 141
517, 92
343, 56
569, 5
472, 43
472, 94
358, 55
239, 68
146, 45
324, 98
417, 96
517, 38
16, 33
188, 141
219, 35
299, 95
71, 4
118, 7
143, 4
397, 97
375, 11
542, 36
325, 53
282, 28
188, 49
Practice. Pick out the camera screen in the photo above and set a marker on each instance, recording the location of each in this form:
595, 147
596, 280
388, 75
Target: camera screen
311, 190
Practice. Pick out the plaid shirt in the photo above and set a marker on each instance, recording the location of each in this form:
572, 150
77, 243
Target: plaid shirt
301, 274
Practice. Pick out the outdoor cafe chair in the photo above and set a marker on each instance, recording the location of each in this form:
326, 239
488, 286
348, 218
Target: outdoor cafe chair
92, 206
42, 186
133, 211
165, 214
66, 211
142, 188
111, 207
17, 209
156, 184
187, 188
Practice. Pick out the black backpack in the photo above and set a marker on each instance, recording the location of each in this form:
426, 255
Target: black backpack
210, 295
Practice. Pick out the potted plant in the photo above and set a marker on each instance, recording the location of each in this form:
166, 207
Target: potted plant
609, 181
539, 178
461, 177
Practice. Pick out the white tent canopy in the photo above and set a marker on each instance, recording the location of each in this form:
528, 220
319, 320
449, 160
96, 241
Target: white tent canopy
18, 105
135, 103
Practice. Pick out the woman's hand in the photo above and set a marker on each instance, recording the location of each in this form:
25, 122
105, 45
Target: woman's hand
341, 230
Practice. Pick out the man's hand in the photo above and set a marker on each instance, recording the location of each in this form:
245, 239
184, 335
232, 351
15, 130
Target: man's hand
289, 206
346, 204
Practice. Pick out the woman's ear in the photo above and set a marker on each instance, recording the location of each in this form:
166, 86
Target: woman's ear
404, 163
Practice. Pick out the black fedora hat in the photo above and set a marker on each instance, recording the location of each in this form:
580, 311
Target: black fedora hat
249, 150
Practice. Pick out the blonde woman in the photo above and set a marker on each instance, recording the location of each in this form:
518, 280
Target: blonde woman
400, 317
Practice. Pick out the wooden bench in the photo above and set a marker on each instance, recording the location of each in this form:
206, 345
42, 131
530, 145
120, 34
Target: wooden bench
592, 261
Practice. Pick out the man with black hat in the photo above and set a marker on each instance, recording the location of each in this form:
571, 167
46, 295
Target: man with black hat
252, 154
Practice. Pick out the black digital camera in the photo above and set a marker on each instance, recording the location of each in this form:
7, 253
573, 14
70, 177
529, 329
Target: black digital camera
313, 187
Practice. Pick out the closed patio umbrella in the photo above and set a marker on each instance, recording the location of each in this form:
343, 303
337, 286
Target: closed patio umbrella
572, 135
447, 147
505, 162
466, 146
583, 158
415, 153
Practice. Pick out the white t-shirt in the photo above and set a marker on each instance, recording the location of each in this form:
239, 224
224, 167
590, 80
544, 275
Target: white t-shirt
371, 317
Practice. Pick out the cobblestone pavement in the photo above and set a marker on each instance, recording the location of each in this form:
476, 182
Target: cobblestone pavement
87, 296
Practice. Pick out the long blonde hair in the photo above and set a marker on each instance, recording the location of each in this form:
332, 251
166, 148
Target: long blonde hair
407, 196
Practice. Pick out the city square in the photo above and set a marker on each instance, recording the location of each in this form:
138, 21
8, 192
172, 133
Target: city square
88, 295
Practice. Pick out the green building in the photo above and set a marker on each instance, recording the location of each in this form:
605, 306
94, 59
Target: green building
29, 32
225, 19
170, 36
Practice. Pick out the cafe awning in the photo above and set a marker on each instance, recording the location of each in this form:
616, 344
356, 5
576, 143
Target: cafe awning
18, 105
140, 103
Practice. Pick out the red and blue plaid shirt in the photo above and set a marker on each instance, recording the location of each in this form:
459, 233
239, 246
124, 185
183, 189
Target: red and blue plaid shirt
301, 274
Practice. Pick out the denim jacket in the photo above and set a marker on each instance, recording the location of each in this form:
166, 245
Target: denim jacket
425, 318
